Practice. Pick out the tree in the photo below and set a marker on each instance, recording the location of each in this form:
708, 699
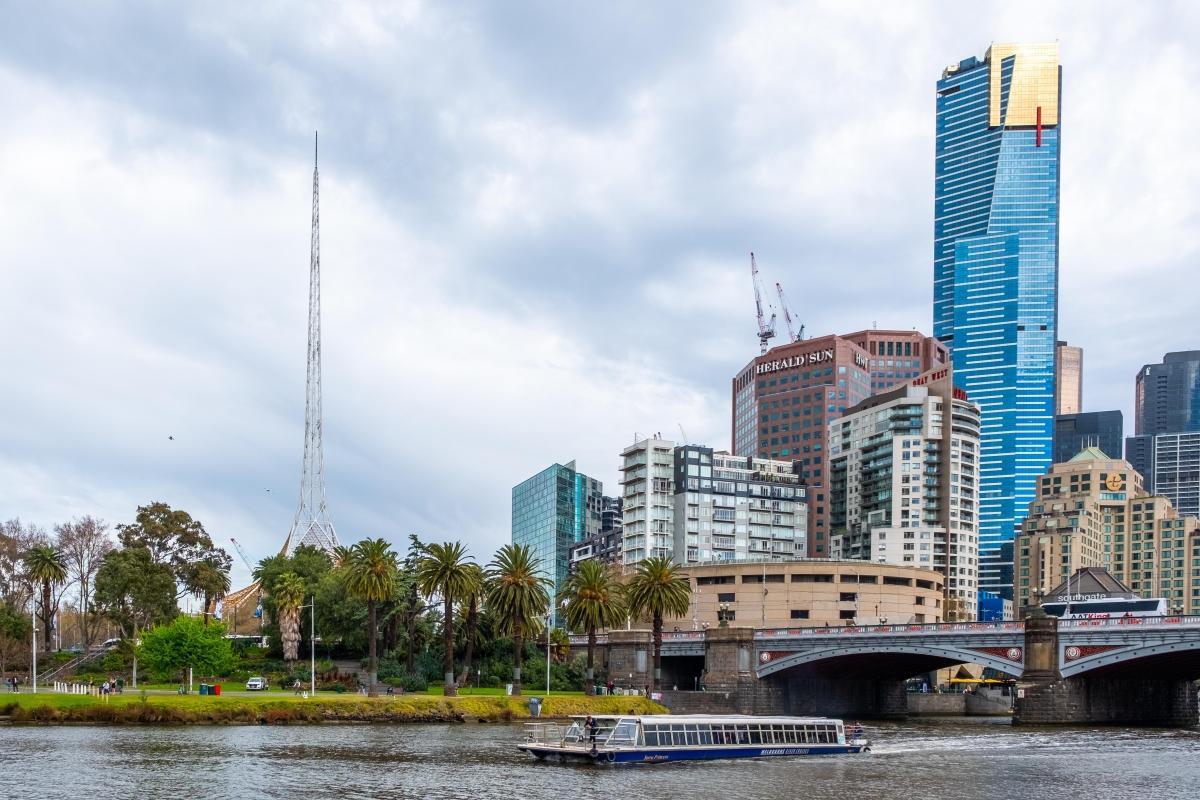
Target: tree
186, 643
14, 635
470, 598
658, 588
15, 540
288, 592
84, 543
173, 538
135, 593
46, 566
208, 581
370, 574
315, 569
594, 600
517, 594
444, 570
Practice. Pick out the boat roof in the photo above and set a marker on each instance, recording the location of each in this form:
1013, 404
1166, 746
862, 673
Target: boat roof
713, 718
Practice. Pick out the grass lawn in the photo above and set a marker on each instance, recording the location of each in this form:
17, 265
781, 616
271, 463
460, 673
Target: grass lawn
272, 707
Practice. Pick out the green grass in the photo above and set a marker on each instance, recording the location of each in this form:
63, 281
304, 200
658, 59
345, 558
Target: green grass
278, 709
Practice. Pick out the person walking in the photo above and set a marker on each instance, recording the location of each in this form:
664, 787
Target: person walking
590, 725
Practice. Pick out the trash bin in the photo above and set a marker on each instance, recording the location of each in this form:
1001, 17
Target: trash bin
535, 706
204, 688
217, 690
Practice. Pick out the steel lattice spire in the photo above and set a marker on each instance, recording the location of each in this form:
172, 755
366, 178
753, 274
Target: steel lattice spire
312, 525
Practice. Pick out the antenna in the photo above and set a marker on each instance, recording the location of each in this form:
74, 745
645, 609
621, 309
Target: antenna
766, 331
312, 525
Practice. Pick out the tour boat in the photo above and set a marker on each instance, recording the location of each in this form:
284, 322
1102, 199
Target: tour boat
655, 738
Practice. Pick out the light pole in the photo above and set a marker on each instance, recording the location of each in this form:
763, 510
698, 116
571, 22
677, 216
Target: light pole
312, 644
723, 615
549, 616
33, 617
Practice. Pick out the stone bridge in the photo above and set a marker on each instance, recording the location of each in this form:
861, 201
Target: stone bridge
1135, 670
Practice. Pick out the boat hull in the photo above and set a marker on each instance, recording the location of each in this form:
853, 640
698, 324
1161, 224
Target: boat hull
653, 755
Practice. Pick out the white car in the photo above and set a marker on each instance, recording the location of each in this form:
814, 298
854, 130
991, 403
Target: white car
256, 684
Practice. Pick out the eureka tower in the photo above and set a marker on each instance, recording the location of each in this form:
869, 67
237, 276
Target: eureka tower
995, 272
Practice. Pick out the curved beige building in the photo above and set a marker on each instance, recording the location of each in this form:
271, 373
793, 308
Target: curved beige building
810, 593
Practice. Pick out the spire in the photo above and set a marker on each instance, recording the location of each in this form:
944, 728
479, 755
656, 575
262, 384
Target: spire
312, 525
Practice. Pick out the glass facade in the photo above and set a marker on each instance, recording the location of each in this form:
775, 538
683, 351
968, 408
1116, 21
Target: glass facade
995, 295
1074, 432
1167, 395
551, 512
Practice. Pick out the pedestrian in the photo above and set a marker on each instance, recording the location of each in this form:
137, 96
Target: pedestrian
590, 726
610, 687
16, 684
120, 686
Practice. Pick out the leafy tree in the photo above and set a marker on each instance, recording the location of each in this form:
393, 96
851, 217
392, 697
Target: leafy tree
444, 570
370, 572
469, 600
594, 600
84, 543
337, 614
173, 538
288, 592
46, 566
16, 538
658, 588
134, 592
14, 635
186, 643
517, 593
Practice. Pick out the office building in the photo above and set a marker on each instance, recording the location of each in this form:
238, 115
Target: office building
606, 545
1169, 463
903, 483
553, 511
1167, 395
1093, 511
995, 287
783, 400
1074, 432
1068, 379
734, 508
648, 500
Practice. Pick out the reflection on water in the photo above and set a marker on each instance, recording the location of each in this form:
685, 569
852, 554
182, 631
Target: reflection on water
946, 760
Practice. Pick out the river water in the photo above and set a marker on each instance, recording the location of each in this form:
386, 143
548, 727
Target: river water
942, 760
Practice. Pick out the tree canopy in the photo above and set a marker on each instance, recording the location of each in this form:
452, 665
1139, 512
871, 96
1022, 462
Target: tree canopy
185, 643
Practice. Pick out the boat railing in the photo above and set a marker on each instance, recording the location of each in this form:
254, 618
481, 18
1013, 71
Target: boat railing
550, 733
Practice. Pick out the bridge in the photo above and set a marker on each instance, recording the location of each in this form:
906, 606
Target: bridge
1132, 670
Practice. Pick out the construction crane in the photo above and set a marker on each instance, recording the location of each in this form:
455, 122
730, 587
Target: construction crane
242, 553
787, 316
766, 331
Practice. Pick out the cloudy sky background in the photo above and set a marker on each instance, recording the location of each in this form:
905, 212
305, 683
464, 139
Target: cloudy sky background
535, 227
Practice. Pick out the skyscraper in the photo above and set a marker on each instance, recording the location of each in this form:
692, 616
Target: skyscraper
1074, 432
1068, 379
551, 512
1166, 446
995, 287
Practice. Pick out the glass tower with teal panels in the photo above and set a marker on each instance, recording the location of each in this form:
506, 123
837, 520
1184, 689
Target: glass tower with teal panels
995, 288
551, 512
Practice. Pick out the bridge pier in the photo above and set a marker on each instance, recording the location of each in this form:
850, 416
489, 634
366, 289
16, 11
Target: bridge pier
1044, 697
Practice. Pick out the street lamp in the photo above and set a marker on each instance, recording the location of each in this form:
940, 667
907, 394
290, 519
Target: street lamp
312, 644
33, 618
723, 615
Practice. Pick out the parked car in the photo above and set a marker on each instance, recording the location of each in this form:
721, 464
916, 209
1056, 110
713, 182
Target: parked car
256, 685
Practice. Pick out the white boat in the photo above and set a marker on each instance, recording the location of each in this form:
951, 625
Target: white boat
656, 738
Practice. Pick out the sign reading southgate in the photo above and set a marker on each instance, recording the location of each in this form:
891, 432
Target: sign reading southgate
815, 357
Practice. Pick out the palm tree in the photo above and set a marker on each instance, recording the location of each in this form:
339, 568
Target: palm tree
46, 565
470, 597
210, 583
658, 588
288, 593
594, 600
370, 575
517, 595
443, 569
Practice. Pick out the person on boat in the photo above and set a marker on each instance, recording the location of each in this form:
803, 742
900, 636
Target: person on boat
590, 726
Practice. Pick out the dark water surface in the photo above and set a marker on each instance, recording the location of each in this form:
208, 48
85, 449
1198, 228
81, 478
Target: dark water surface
946, 760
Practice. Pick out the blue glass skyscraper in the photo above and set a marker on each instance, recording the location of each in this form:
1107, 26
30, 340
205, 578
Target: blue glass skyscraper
995, 287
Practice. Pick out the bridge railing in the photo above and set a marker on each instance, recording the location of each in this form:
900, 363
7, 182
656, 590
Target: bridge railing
861, 630
1127, 622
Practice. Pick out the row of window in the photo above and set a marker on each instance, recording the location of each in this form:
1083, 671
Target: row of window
693, 735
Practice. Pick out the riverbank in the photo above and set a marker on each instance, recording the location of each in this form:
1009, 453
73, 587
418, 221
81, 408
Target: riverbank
47, 708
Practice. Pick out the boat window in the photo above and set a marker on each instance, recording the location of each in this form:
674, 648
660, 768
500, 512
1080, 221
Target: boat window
743, 734
651, 732
755, 735
791, 733
678, 737
693, 735
624, 733
809, 736
706, 734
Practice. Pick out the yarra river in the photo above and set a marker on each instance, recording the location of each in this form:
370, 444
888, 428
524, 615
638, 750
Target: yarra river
945, 759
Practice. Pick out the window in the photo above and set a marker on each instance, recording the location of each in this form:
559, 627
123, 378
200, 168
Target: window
847, 614
725, 597
799, 613
848, 597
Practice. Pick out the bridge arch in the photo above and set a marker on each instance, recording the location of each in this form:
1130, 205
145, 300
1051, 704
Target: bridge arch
1172, 659
948, 654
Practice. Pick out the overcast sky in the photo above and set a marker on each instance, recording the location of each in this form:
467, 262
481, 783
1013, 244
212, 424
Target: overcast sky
536, 221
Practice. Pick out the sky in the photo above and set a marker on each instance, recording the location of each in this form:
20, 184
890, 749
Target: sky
536, 221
